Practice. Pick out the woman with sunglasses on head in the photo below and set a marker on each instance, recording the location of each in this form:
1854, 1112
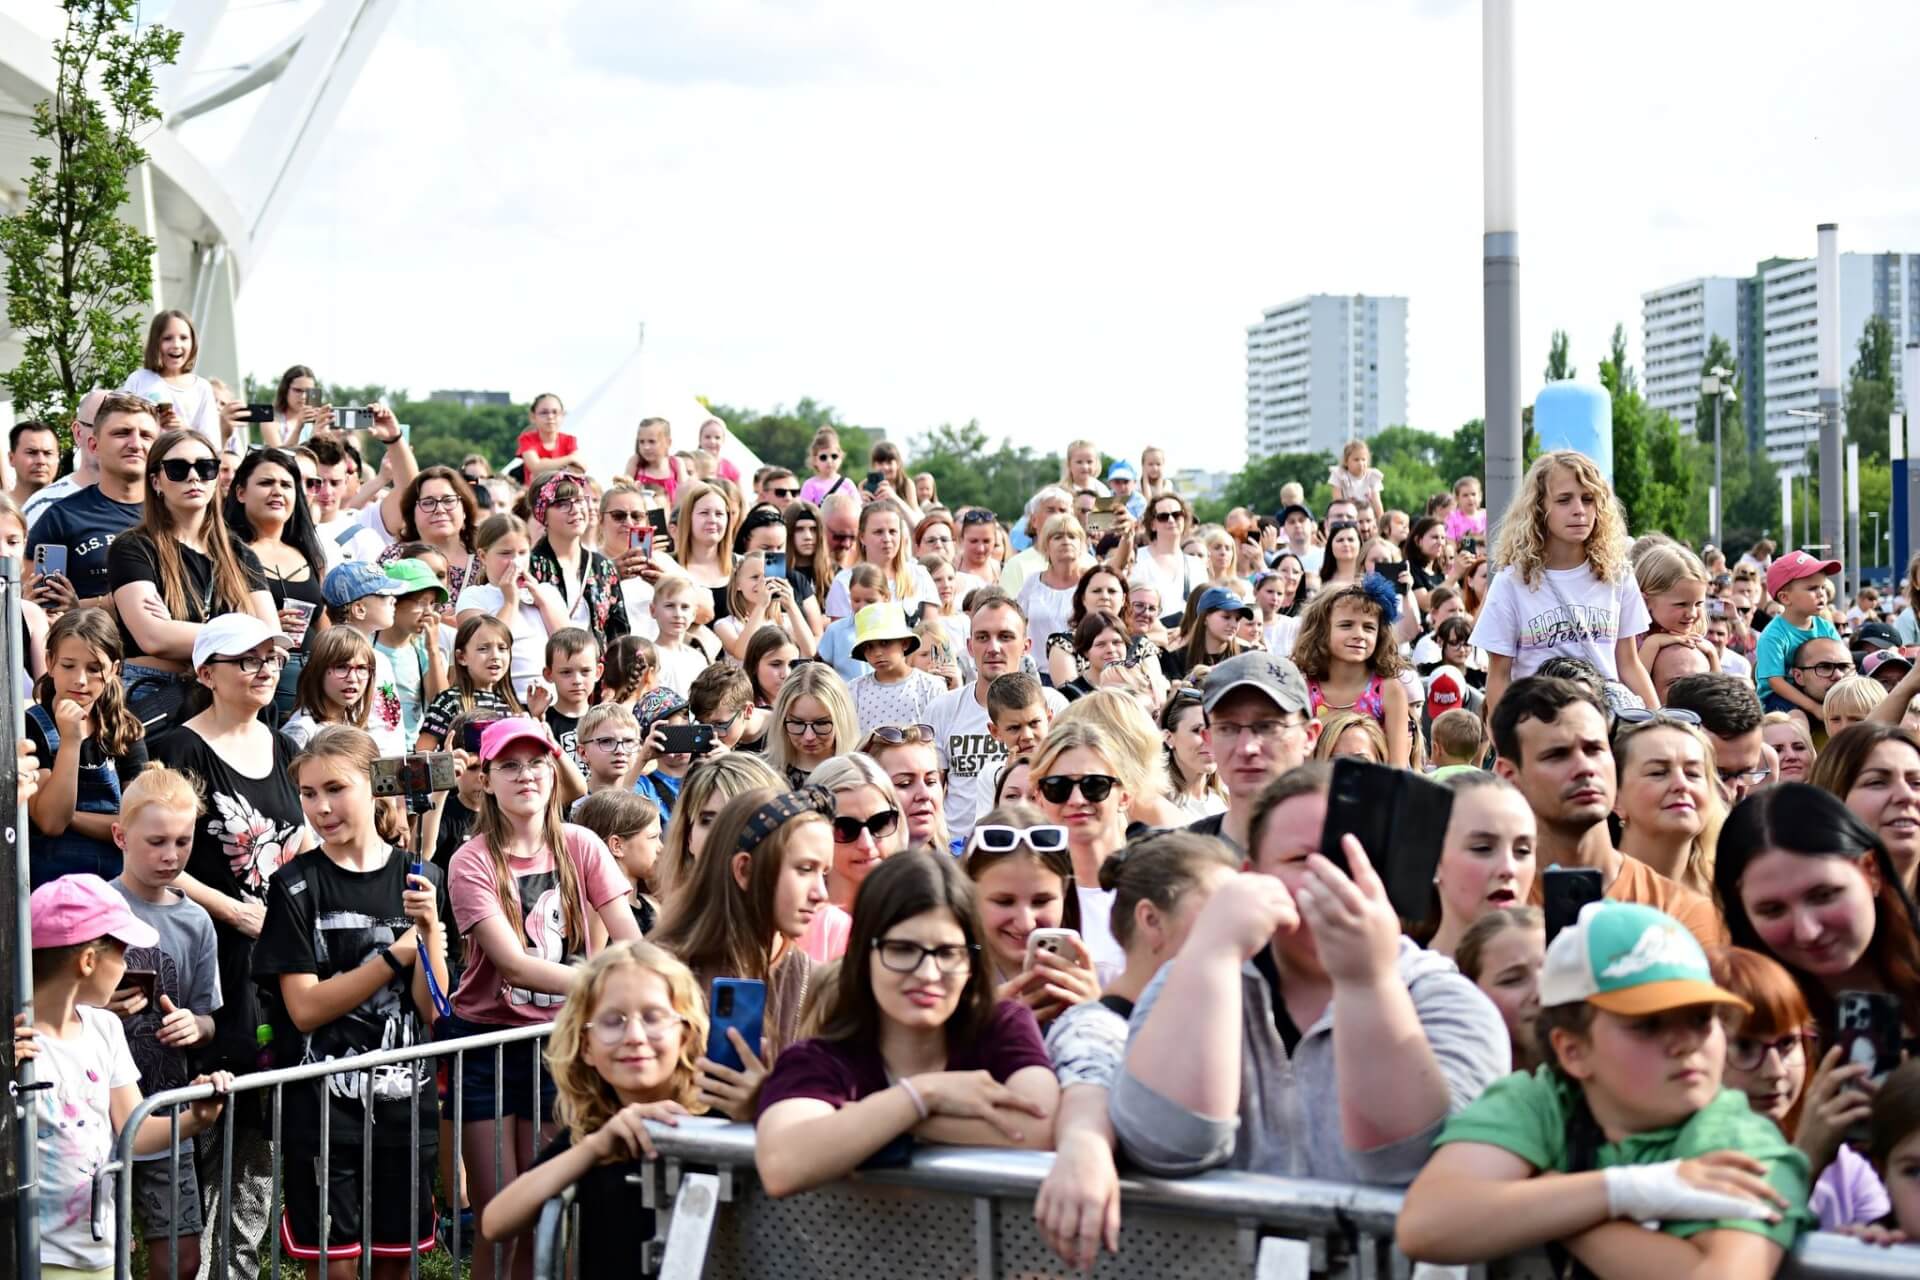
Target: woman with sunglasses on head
1023, 882
915, 1045
866, 831
175, 570
813, 721
1075, 772
267, 512
910, 756
1668, 797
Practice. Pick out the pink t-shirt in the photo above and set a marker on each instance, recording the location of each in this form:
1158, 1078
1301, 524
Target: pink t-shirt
483, 995
1459, 526
816, 489
826, 937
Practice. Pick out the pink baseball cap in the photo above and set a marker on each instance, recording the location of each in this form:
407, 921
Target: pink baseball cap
1794, 566
84, 908
501, 734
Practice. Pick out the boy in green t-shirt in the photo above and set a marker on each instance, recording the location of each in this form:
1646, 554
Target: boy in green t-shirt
1627, 1121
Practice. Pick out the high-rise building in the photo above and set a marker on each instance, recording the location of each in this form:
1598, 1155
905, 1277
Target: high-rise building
1678, 322
1324, 369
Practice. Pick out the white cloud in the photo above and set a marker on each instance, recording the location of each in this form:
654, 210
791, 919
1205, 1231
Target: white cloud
1055, 216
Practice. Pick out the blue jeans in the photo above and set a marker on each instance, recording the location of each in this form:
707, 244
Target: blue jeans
154, 696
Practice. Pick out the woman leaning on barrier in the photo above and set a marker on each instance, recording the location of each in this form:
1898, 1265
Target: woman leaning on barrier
914, 1045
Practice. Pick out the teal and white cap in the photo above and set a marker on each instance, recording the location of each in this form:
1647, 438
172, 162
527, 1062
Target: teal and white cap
1631, 960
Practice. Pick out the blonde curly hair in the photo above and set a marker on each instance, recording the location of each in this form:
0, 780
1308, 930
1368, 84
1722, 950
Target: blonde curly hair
584, 1100
1523, 530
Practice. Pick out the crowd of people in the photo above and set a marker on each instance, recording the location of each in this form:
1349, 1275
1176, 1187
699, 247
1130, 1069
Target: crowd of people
1011, 830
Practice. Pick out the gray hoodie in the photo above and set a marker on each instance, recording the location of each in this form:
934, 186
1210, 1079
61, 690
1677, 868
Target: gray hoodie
1289, 1119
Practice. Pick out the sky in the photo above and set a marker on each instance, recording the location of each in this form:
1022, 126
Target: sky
1055, 216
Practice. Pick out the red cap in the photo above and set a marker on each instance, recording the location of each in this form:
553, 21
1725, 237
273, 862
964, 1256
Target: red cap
1794, 566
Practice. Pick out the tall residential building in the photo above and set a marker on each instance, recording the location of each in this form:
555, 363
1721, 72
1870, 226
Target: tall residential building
1323, 369
1882, 284
1677, 323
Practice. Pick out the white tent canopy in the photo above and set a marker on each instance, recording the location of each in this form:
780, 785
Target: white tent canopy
604, 422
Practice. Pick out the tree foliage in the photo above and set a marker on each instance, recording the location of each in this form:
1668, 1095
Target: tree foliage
783, 436
1653, 467
1559, 367
1869, 390
78, 277
968, 471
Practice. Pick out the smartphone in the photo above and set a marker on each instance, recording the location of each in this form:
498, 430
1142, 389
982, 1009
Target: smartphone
1869, 1031
351, 419
657, 517
776, 564
1099, 523
739, 1003
1716, 609
1057, 942
1391, 570
873, 482
413, 774
50, 559
1565, 890
687, 739
258, 413
145, 981
470, 734
1401, 820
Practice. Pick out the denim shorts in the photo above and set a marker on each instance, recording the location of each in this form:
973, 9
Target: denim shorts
519, 1063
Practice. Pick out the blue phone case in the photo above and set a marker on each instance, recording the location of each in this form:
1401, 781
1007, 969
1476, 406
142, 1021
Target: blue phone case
736, 1002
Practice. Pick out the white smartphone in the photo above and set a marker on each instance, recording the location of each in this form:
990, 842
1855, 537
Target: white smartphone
1055, 941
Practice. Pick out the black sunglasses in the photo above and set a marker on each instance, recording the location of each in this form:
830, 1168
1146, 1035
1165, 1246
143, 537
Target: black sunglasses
1094, 787
881, 825
978, 517
785, 493
178, 469
894, 735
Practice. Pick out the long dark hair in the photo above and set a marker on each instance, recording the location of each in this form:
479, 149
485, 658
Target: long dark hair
286, 383
1057, 862
1843, 760
231, 591
904, 886
1799, 818
298, 532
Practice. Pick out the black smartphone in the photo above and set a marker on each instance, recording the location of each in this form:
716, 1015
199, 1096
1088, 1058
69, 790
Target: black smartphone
258, 413
1564, 890
1401, 820
145, 981
873, 482
687, 739
657, 517
1869, 1031
470, 735
740, 1003
1391, 569
776, 564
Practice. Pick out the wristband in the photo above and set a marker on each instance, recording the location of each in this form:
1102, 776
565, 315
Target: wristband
393, 961
913, 1095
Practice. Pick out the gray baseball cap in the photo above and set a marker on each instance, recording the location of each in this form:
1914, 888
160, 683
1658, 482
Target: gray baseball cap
1276, 677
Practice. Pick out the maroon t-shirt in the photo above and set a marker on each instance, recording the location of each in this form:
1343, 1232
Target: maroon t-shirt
839, 1073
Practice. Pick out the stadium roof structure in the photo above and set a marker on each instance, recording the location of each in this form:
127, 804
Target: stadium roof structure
210, 220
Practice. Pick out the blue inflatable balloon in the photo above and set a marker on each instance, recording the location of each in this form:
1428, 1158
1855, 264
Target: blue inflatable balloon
1574, 415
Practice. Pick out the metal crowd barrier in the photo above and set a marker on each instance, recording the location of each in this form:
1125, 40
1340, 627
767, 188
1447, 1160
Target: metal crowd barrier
969, 1212
275, 1081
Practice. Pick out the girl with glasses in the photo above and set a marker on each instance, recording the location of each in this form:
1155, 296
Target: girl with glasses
1076, 773
532, 896
175, 570
587, 581
335, 688
622, 1054
1771, 1058
813, 721
867, 830
915, 1046
1022, 881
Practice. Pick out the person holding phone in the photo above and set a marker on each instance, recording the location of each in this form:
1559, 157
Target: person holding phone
185, 399
1029, 913
115, 441
916, 1043
297, 410
756, 598
587, 580
268, 513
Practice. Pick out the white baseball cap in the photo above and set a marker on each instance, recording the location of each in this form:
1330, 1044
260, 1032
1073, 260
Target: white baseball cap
232, 634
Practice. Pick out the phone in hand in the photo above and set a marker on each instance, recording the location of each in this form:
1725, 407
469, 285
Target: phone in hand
776, 564
50, 560
258, 413
470, 734
1401, 821
1868, 1024
1391, 570
1565, 890
1057, 942
145, 981
740, 1003
416, 773
657, 517
687, 739
352, 419
873, 481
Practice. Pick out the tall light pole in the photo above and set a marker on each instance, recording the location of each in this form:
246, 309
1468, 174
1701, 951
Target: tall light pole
1717, 383
1826, 306
1806, 488
1499, 258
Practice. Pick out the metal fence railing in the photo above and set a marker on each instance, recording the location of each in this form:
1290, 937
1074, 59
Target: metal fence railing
969, 1211
273, 1084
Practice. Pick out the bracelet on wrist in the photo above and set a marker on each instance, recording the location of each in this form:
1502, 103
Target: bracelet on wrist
913, 1096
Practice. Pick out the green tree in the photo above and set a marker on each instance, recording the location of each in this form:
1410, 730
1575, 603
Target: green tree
968, 471
785, 436
78, 277
1257, 485
1869, 390
1559, 367
1719, 356
1652, 470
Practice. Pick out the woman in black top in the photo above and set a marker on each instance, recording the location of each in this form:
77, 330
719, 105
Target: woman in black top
177, 568
267, 511
1425, 552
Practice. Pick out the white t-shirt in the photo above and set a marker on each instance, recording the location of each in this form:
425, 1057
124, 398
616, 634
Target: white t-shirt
346, 537
1173, 585
840, 602
1049, 610
1279, 636
195, 405
1096, 930
1530, 624
529, 634
43, 498
76, 1136
679, 667
968, 752
1735, 664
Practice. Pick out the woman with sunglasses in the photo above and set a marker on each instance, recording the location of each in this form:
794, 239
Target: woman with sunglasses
1023, 881
915, 1046
1078, 780
268, 513
1161, 563
175, 570
866, 831
587, 581
909, 754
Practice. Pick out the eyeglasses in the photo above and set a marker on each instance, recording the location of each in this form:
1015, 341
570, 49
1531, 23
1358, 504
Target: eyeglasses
351, 669
564, 504
802, 728
445, 502
1748, 1053
614, 743
1734, 777
896, 735
1228, 732
317, 484
1828, 670
522, 768
901, 956
1094, 787
784, 493
995, 838
610, 1028
1658, 715
723, 727
178, 469
846, 830
250, 664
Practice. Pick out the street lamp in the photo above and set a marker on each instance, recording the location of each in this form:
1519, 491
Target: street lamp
1875, 517
1806, 482
1717, 383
